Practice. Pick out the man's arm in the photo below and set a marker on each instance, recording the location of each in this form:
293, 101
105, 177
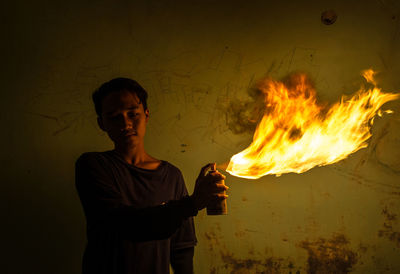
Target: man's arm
182, 260
104, 211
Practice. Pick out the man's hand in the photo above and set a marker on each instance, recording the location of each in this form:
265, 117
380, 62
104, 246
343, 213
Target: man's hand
208, 189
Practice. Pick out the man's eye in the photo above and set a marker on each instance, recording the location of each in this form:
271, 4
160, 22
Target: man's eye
133, 114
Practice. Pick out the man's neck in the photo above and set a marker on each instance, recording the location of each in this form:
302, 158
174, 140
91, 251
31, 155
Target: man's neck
133, 155
137, 156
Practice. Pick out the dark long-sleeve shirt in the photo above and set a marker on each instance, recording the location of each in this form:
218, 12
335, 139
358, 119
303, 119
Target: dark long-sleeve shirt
138, 220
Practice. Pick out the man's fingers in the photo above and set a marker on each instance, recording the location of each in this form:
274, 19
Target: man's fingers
205, 168
219, 188
217, 176
220, 196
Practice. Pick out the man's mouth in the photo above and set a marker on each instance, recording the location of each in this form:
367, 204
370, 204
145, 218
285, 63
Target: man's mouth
129, 133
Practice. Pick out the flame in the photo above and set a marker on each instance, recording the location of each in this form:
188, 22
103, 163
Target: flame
296, 134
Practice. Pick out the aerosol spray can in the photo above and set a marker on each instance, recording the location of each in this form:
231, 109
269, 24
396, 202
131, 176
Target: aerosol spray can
220, 207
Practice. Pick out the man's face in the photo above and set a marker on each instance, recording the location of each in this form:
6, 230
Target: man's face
123, 118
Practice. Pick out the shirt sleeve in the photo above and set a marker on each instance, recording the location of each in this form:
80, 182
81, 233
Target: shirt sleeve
185, 236
104, 210
184, 239
182, 260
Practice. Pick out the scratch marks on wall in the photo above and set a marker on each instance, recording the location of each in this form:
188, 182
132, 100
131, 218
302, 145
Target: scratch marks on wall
387, 146
94, 75
377, 166
67, 104
227, 60
195, 94
378, 185
390, 227
392, 10
304, 59
66, 120
183, 85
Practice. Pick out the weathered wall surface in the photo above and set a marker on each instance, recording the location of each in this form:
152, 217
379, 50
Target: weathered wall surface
195, 58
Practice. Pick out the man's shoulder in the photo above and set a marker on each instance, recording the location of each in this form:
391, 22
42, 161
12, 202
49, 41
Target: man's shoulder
171, 167
91, 157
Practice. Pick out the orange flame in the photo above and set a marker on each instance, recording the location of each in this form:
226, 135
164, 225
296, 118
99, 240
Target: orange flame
296, 134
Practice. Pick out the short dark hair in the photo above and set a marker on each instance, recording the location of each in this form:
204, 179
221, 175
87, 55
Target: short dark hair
115, 85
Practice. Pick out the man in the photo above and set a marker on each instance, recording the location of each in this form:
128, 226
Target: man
138, 212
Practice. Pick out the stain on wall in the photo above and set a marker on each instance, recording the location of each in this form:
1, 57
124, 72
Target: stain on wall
331, 255
253, 262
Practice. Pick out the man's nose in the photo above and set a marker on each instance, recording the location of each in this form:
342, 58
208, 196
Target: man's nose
126, 123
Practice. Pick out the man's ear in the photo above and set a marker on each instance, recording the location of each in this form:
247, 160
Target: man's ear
100, 123
146, 112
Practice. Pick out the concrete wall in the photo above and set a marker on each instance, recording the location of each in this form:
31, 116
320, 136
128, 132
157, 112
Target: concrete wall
194, 58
